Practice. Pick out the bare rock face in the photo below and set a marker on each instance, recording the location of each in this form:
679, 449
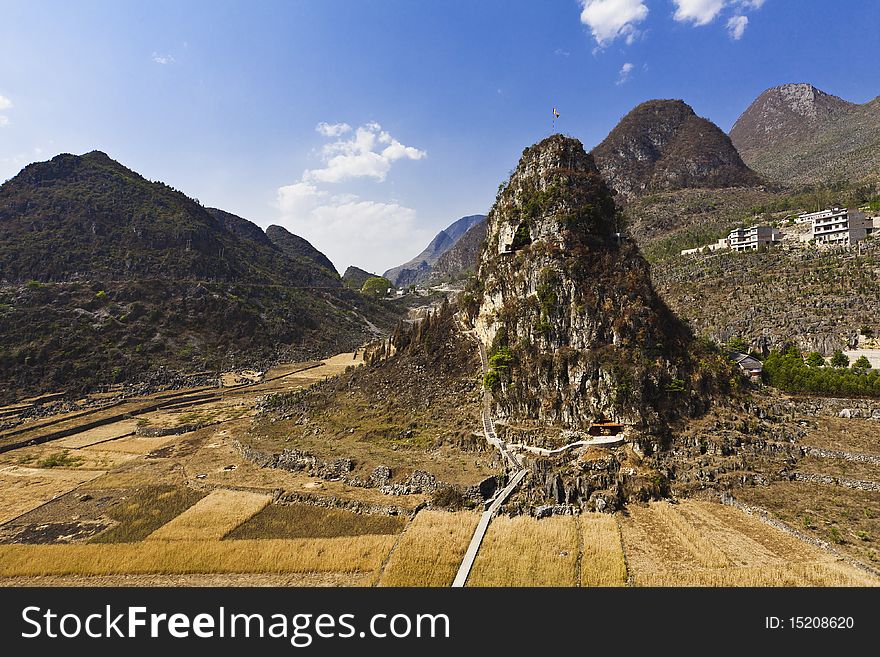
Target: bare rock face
663, 144
574, 329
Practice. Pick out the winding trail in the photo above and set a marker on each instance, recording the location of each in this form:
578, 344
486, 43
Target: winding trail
513, 464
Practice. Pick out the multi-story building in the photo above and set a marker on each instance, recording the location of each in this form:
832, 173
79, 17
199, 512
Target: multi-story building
753, 238
839, 226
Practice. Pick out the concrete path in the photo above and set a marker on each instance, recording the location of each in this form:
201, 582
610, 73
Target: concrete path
604, 441
471, 554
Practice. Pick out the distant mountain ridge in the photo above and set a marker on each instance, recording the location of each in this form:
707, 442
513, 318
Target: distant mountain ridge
798, 134
663, 145
418, 270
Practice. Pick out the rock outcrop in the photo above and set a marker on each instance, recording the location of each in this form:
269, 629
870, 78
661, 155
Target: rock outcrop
574, 329
663, 144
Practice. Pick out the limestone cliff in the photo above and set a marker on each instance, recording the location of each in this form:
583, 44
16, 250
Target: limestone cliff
574, 329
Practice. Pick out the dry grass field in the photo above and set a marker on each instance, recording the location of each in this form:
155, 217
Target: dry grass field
522, 551
848, 435
602, 562
145, 510
707, 544
430, 550
212, 517
848, 519
334, 555
98, 435
24, 489
307, 521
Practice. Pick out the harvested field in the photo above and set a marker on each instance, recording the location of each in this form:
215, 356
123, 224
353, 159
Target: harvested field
135, 444
707, 544
308, 521
23, 489
795, 574
200, 580
144, 510
522, 551
602, 561
848, 519
430, 550
847, 435
335, 555
840, 468
97, 435
212, 517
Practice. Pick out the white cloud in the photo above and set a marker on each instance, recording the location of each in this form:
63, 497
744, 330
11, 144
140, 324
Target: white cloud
623, 76
612, 19
332, 129
698, 12
163, 59
370, 234
5, 104
703, 12
736, 26
369, 153
373, 235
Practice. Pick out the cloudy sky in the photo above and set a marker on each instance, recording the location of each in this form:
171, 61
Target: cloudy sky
368, 125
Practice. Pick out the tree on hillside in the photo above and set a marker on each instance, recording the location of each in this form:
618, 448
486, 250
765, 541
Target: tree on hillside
839, 359
862, 363
376, 286
738, 345
815, 359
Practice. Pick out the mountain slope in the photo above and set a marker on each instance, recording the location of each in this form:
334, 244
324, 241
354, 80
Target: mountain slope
295, 246
418, 269
461, 259
106, 277
239, 226
797, 134
662, 145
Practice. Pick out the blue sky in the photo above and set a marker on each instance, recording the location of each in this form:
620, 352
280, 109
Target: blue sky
368, 125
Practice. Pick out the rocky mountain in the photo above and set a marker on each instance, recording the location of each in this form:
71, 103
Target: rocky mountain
461, 260
239, 226
797, 134
295, 246
106, 277
574, 328
419, 268
663, 145
355, 277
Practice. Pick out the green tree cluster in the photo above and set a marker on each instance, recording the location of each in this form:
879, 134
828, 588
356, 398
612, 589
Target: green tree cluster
789, 371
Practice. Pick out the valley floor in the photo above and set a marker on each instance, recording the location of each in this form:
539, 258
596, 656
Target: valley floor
153, 492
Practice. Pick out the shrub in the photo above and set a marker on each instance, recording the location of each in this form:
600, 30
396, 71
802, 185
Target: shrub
815, 359
492, 380
862, 363
839, 359
376, 286
448, 497
738, 345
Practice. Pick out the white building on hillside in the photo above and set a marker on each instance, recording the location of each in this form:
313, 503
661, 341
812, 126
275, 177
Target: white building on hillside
753, 238
840, 226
